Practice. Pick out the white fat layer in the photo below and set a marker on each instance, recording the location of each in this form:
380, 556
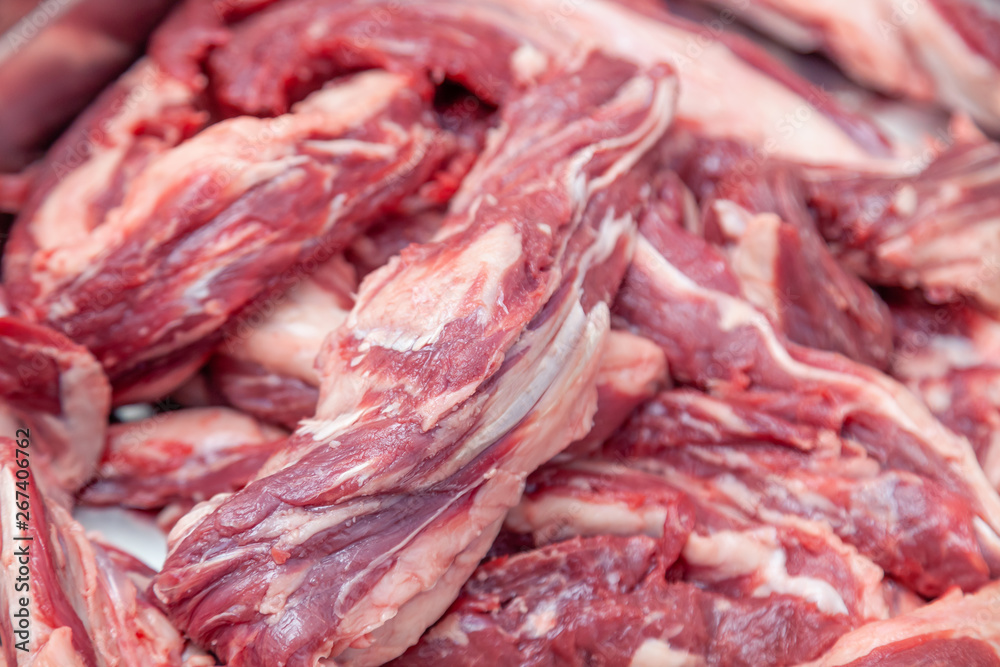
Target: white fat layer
656, 653
207, 429
757, 553
402, 320
540, 622
552, 518
539, 381
231, 157
528, 63
754, 257
338, 147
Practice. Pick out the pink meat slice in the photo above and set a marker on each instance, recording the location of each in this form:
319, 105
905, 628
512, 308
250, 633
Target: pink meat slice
402, 451
606, 600
721, 548
736, 353
56, 388
918, 532
388, 237
266, 363
633, 369
784, 268
937, 230
948, 356
77, 49
185, 455
269, 193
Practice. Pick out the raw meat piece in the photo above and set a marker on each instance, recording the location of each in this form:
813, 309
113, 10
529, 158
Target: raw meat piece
722, 344
950, 356
783, 266
633, 369
56, 388
942, 50
85, 173
266, 363
254, 389
182, 455
84, 609
721, 547
388, 238
938, 230
606, 601
691, 417
329, 166
254, 71
787, 272
266, 368
732, 89
908, 525
404, 452
729, 89
140, 576
285, 334
953, 630
932, 341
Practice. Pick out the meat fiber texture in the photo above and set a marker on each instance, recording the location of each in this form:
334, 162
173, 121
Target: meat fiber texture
423, 450
948, 356
546, 326
746, 361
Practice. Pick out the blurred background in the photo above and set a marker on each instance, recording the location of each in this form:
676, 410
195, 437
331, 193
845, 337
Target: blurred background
55, 56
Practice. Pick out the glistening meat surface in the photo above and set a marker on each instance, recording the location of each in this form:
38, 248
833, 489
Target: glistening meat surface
402, 452
50, 384
608, 601
540, 332
743, 359
203, 229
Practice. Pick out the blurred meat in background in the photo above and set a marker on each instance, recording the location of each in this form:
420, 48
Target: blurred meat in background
55, 56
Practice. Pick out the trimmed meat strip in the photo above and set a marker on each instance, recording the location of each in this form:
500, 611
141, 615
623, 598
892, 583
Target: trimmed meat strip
185, 455
736, 355
937, 230
403, 452
953, 630
760, 222
269, 193
607, 600
917, 531
948, 356
721, 547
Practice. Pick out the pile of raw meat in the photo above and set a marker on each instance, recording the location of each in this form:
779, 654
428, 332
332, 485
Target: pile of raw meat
531, 332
